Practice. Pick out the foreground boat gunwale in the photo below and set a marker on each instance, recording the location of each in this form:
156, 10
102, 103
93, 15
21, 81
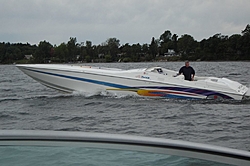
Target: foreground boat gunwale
123, 142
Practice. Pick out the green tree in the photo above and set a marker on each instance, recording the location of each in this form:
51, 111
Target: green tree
245, 43
113, 45
72, 49
108, 58
145, 49
89, 49
186, 46
153, 48
166, 37
2, 52
61, 53
43, 52
136, 52
175, 41
126, 51
82, 51
14, 53
233, 47
246, 31
167, 41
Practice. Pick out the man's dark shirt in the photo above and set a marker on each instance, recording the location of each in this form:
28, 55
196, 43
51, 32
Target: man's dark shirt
187, 72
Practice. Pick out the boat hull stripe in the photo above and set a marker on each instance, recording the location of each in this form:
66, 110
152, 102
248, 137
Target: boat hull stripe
83, 79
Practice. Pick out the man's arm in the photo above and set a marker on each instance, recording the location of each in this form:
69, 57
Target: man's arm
192, 76
180, 71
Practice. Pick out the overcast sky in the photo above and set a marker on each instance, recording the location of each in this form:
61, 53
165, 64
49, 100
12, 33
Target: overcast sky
130, 21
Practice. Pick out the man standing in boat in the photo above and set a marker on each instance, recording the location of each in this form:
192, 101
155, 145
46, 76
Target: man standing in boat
187, 71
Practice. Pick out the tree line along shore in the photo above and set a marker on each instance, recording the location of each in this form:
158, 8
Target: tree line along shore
168, 47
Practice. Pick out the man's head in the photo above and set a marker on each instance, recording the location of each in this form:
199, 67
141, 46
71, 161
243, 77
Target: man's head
186, 63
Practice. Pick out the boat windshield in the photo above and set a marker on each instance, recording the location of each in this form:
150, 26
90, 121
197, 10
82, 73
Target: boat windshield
155, 69
159, 71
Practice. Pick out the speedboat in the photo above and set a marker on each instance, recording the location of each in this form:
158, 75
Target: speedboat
151, 82
38, 147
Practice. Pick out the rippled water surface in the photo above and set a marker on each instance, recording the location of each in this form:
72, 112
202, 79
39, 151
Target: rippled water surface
28, 105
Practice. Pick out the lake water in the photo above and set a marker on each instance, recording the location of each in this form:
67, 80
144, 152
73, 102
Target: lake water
28, 105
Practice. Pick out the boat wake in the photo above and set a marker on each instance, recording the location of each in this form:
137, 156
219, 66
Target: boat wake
108, 94
83, 94
114, 95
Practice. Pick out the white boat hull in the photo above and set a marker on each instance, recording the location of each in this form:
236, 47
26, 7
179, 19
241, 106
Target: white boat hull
142, 82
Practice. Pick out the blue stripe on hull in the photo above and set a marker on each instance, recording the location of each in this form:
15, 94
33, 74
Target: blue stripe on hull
84, 79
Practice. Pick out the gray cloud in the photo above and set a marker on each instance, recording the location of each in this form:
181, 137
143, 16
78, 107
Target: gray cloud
131, 21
